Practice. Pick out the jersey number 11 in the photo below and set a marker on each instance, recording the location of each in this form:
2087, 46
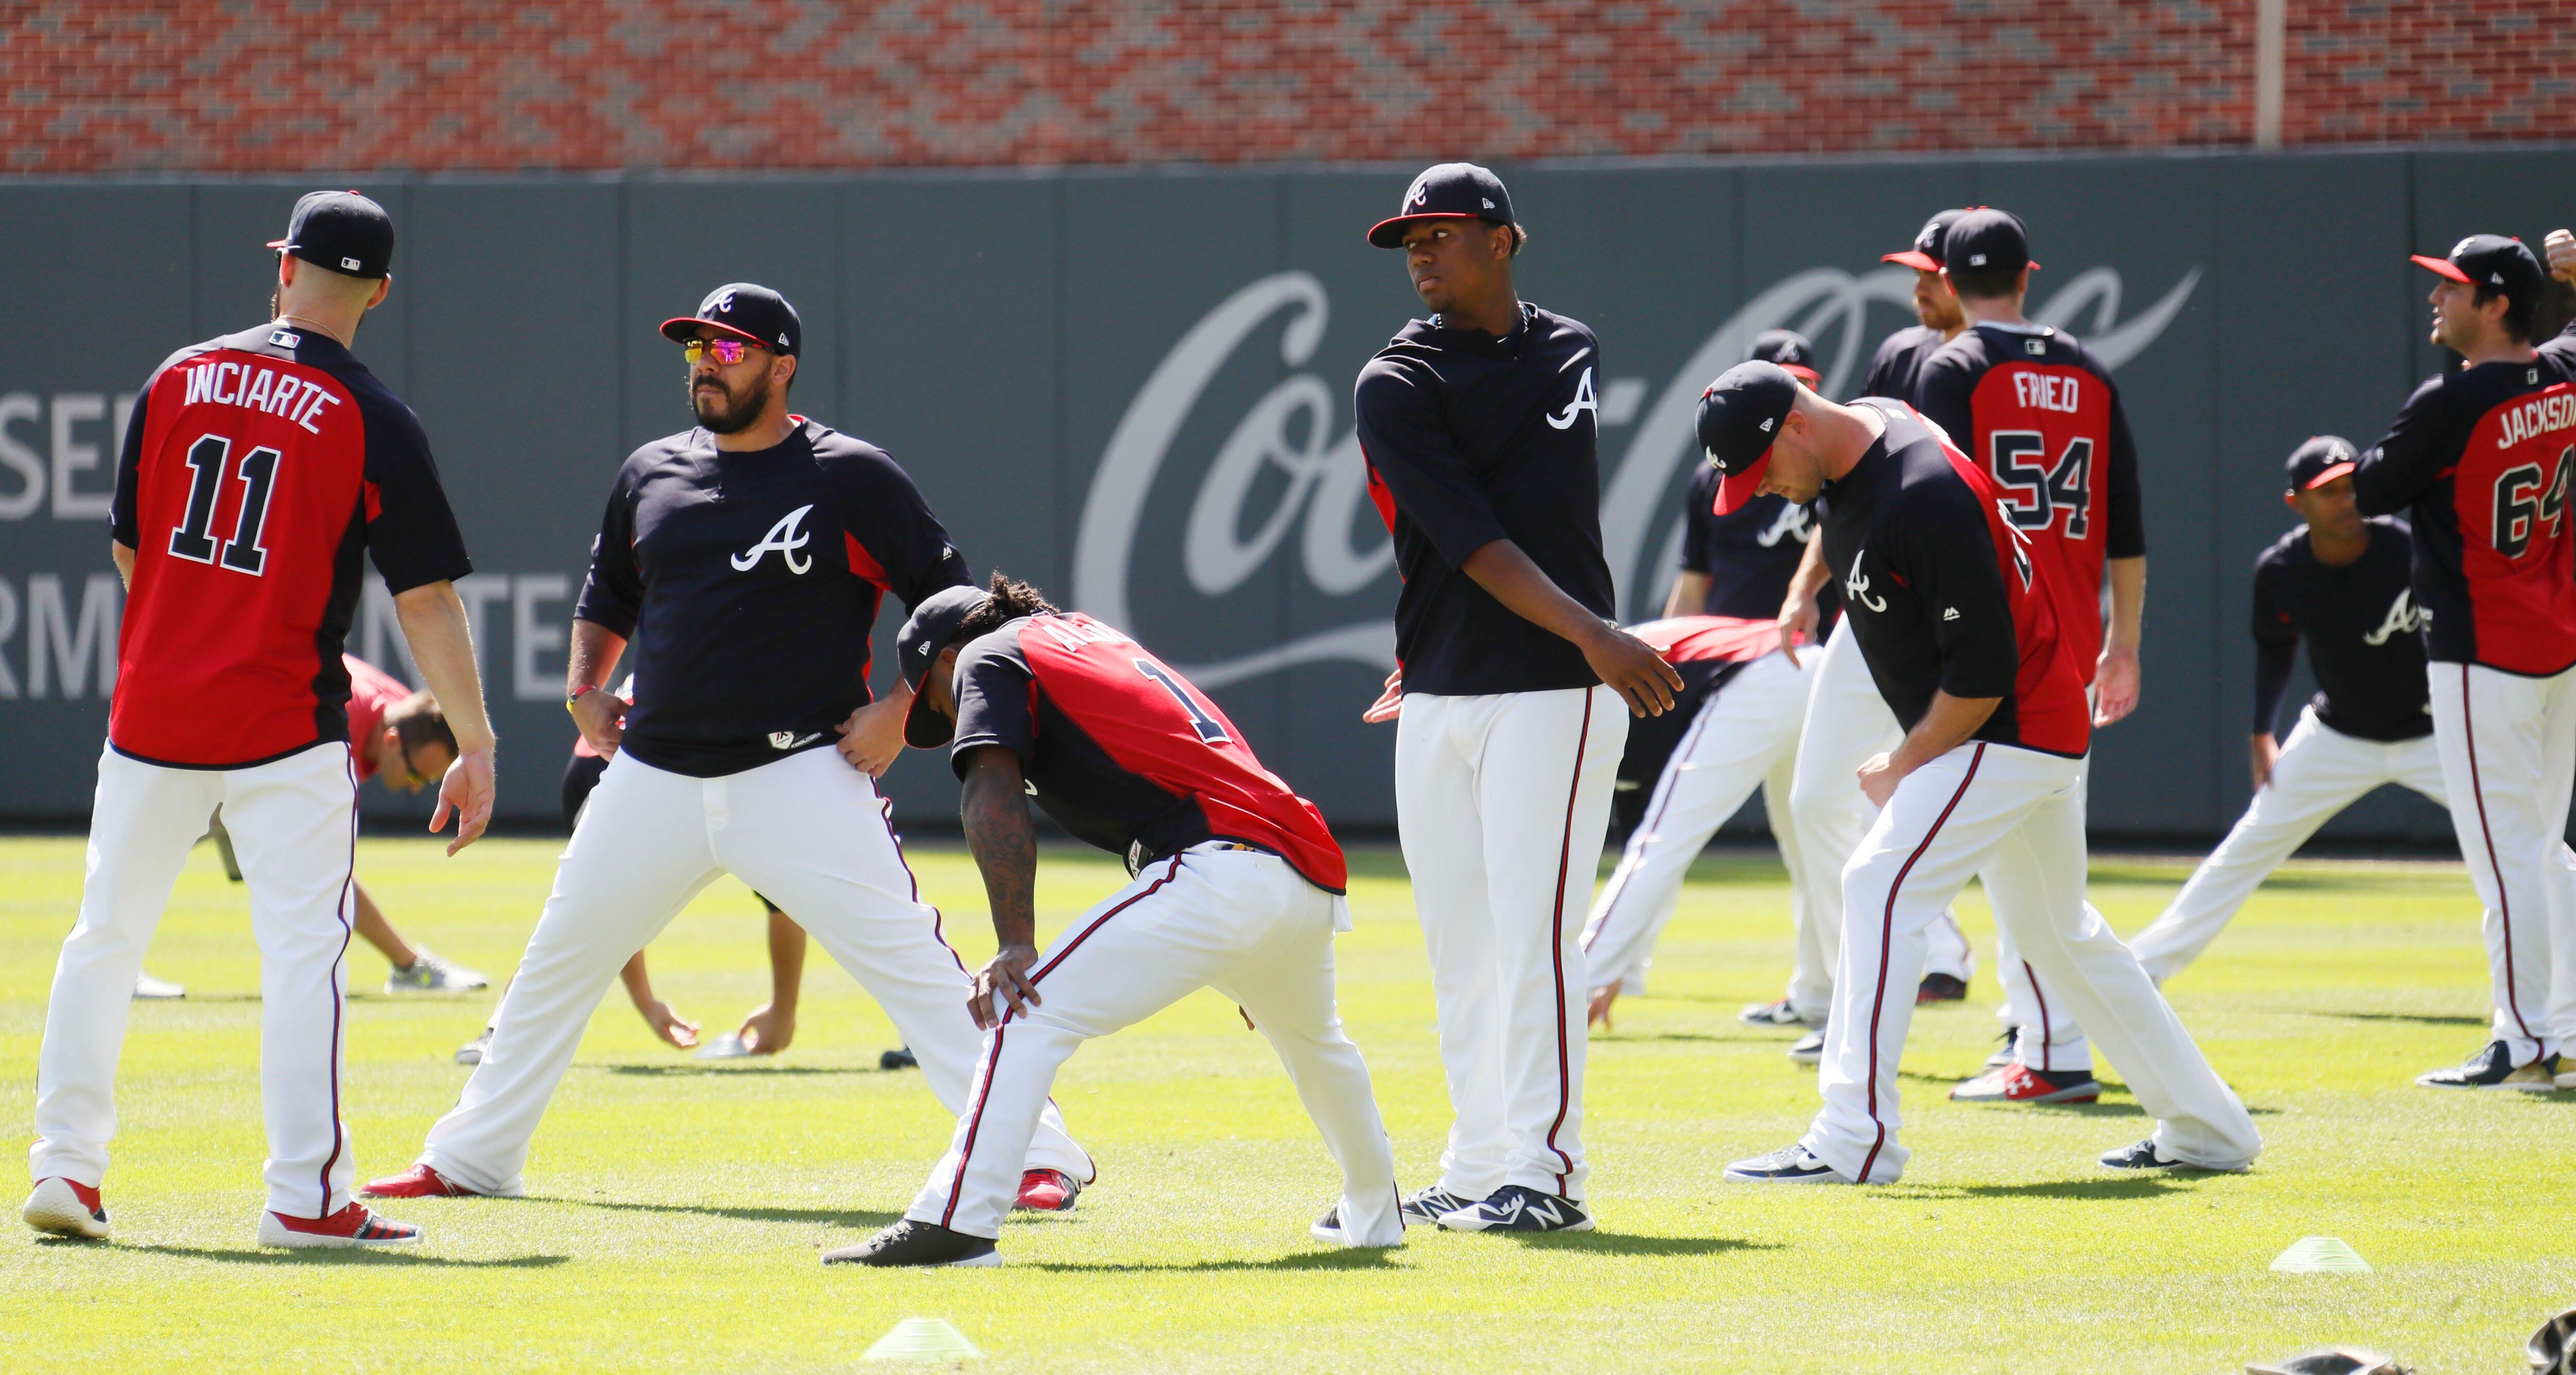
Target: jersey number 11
190, 540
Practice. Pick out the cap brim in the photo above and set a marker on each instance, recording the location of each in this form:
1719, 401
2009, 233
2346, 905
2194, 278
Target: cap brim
1736, 489
2440, 267
1914, 258
1804, 373
924, 728
278, 244
1390, 233
682, 330
2328, 474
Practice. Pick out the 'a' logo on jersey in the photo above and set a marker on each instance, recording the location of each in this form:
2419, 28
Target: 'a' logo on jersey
786, 538
1856, 584
1791, 523
1583, 401
2402, 619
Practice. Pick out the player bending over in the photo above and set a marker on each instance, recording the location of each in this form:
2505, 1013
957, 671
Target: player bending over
1238, 887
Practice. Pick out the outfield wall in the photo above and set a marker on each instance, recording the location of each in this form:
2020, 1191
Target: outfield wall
1134, 389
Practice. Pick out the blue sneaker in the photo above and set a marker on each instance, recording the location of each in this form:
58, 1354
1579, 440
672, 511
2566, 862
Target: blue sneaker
1792, 1165
1425, 1207
1515, 1208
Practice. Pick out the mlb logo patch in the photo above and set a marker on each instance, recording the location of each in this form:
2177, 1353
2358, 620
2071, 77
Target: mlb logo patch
350, 264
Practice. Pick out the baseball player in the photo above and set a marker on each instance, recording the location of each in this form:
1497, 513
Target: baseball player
2480, 459
1734, 727
1238, 887
1478, 426
2044, 418
744, 559
1949, 609
257, 468
1899, 361
2342, 583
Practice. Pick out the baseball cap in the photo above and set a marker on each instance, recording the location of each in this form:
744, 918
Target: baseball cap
1789, 349
2493, 262
340, 231
2319, 461
1925, 255
1739, 416
933, 624
1447, 191
748, 311
1987, 240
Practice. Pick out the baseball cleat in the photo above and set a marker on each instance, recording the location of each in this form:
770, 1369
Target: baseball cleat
917, 1243
420, 1181
427, 973
1426, 1207
2493, 1068
2566, 1078
2005, 1054
354, 1225
150, 989
1788, 1165
1517, 1208
901, 1057
2146, 1155
729, 1046
1328, 1229
1771, 1014
1941, 988
1046, 1191
2018, 1083
1808, 1049
471, 1053
62, 1208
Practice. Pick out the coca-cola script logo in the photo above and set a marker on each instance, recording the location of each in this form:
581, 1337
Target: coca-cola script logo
1327, 482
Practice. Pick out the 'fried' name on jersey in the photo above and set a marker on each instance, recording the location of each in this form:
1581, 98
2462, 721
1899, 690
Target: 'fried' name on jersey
2047, 391
2554, 409
260, 389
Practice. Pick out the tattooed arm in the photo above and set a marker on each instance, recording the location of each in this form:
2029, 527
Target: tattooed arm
1004, 840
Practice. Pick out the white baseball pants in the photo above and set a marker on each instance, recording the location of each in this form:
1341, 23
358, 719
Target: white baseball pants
1502, 802
2016, 817
1745, 736
294, 824
2508, 747
2321, 771
1847, 722
1218, 916
811, 834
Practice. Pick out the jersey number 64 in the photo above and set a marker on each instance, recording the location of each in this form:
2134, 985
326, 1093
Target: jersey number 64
2524, 497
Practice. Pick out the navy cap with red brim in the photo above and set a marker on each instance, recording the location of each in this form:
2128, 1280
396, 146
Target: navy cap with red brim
2439, 266
682, 329
1739, 417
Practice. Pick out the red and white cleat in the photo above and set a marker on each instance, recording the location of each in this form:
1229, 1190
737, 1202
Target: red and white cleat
420, 1181
351, 1226
62, 1208
2018, 1083
1047, 1191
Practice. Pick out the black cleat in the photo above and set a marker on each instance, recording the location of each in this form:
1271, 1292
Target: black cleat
1425, 1207
2493, 1068
901, 1057
917, 1243
1941, 988
1518, 1208
2145, 1156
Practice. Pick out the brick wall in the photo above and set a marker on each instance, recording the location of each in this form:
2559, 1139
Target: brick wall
274, 85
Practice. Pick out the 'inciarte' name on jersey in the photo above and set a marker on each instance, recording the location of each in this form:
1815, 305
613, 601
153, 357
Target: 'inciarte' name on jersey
258, 389
2046, 391
2551, 410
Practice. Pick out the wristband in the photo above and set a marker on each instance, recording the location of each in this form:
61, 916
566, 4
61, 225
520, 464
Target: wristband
578, 693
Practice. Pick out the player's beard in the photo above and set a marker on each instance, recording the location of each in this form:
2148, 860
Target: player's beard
734, 412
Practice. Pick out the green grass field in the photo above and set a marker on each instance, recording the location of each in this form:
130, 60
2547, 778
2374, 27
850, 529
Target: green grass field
677, 1209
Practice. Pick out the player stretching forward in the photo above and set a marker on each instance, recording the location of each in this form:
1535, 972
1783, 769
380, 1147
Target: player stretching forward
1479, 427
746, 559
2482, 457
1237, 887
2043, 417
1942, 598
2341, 582
256, 468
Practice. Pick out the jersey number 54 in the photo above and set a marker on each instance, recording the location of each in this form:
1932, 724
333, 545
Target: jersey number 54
2039, 489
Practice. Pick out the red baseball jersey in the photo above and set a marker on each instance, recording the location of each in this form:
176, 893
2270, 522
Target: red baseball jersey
372, 692
2042, 417
2482, 459
1123, 752
258, 469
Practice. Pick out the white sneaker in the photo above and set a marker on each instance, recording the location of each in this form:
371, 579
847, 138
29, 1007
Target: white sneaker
427, 973
471, 1053
145, 986
57, 1207
1809, 1049
728, 1046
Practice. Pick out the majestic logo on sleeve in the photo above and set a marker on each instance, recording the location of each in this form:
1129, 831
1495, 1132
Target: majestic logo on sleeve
2402, 619
1584, 400
786, 537
1791, 524
1856, 584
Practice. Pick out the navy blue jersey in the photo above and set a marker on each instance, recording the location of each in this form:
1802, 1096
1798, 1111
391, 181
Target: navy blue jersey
1898, 364
1749, 554
2365, 641
1472, 439
749, 583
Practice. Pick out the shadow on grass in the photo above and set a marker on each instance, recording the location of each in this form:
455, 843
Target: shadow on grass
1598, 1243
725, 1068
846, 1217
2417, 1018
1343, 1259
1625, 1244
2117, 1187
349, 1256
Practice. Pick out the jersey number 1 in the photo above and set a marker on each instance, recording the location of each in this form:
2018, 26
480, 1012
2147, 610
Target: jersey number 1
1207, 726
242, 553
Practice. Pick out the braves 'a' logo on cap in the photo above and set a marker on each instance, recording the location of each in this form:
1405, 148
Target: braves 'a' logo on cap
719, 303
1421, 192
